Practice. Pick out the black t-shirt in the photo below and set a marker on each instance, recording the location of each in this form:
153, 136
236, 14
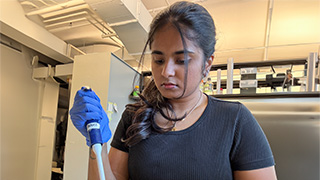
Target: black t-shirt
225, 138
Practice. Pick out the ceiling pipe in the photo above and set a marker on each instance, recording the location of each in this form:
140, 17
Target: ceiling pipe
85, 10
44, 3
56, 7
129, 19
123, 23
108, 35
27, 3
68, 19
70, 10
65, 17
53, 2
66, 24
268, 27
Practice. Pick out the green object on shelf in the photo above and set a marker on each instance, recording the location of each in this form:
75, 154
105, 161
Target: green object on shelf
136, 91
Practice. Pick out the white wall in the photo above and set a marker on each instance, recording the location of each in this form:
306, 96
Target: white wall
19, 116
14, 24
26, 143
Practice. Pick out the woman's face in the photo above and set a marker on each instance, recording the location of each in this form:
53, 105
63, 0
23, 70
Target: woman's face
168, 68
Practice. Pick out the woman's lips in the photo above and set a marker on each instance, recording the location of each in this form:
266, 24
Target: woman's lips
168, 85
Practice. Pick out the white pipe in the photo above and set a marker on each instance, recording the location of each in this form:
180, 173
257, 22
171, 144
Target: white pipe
27, 3
218, 81
67, 11
56, 7
268, 27
86, 10
230, 76
68, 17
121, 23
44, 3
67, 24
109, 35
311, 71
102, 24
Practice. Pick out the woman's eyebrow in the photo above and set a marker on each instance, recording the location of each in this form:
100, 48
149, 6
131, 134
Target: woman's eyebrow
176, 53
157, 52
183, 51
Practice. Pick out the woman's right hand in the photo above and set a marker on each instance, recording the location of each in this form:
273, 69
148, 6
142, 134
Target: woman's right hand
86, 107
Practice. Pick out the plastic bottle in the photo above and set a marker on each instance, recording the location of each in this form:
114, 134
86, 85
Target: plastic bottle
208, 87
201, 85
136, 91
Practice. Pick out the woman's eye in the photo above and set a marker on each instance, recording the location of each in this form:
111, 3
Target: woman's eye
180, 61
159, 61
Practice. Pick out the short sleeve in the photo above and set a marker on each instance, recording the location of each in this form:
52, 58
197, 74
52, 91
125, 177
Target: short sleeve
250, 149
120, 133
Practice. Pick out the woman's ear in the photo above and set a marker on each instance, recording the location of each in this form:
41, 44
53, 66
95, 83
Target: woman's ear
209, 63
207, 66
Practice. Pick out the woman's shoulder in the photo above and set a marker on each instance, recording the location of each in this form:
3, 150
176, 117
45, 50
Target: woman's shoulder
127, 115
232, 109
223, 103
132, 108
226, 108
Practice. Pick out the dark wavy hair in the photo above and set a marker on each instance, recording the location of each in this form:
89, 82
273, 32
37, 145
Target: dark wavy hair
196, 24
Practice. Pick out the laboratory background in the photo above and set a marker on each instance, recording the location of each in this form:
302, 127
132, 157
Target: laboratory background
267, 57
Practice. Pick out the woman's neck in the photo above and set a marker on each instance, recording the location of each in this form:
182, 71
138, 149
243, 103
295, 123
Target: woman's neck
181, 105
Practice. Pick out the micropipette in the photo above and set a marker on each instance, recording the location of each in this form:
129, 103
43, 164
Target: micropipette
93, 129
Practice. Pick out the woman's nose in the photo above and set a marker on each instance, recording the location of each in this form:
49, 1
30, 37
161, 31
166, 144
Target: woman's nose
168, 69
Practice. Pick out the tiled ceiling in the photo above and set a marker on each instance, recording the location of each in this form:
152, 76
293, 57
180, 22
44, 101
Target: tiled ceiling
247, 30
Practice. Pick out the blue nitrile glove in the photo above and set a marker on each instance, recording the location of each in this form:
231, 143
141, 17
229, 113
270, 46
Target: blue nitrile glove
86, 107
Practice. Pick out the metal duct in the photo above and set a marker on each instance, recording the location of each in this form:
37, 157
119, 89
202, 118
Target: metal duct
128, 18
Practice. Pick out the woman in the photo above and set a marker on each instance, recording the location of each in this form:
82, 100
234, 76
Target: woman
176, 131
